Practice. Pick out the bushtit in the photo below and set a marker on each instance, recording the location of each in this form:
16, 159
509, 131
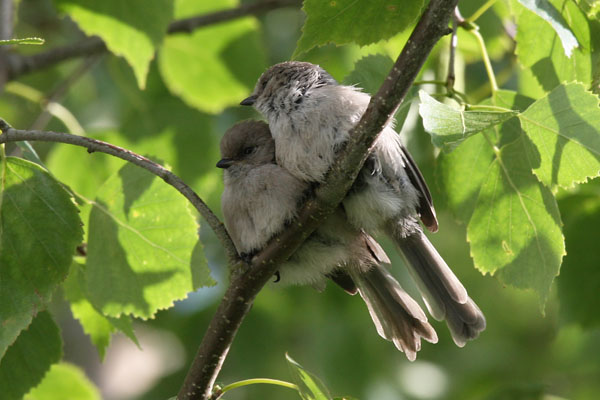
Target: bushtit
261, 197
310, 116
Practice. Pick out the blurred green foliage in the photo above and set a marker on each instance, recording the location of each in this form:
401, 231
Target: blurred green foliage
191, 86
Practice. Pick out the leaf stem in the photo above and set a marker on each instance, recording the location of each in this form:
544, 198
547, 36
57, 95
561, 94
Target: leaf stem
255, 381
430, 82
450, 93
481, 10
486, 58
492, 145
502, 77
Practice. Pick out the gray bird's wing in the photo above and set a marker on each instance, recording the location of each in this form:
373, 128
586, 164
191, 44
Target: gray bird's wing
426, 209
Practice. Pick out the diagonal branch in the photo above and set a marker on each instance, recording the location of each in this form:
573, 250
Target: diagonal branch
17, 65
245, 286
9, 134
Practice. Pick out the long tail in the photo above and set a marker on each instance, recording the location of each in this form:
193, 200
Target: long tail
396, 315
445, 297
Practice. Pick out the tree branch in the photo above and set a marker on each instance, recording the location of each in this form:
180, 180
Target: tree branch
245, 285
9, 134
188, 25
17, 64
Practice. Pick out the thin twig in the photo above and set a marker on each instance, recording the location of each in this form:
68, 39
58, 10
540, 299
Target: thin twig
244, 286
9, 134
188, 25
17, 64
451, 77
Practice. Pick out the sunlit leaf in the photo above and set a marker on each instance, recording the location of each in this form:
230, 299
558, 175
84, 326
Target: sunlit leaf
515, 229
545, 10
143, 250
132, 29
209, 68
565, 128
97, 326
347, 21
461, 173
448, 126
64, 381
543, 52
309, 386
27, 360
39, 231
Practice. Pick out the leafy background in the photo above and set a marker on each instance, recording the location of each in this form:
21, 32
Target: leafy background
171, 97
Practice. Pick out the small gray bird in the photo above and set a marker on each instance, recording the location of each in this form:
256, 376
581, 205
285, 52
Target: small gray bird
260, 198
310, 116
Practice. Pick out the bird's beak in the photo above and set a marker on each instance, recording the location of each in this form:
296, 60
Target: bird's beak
225, 163
248, 101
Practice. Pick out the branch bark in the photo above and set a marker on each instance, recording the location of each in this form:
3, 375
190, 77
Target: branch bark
17, 64
245, 286
9, 134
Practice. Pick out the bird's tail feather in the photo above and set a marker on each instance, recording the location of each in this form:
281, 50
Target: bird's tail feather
445, 296
396, 315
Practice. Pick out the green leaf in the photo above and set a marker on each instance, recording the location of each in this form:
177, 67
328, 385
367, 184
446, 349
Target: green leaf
143, 250
539, 47
132, 29
62, 157
30, 40
515, 229
94, 324
460, 174
39, 231
361, 22
545, 10
579, 278
64, 378
369, 73
209, 68
28, 359
309, 386
564, 126
30, 154
449, 126
510, 130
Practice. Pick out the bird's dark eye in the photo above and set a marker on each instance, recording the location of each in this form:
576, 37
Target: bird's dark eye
248, 150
